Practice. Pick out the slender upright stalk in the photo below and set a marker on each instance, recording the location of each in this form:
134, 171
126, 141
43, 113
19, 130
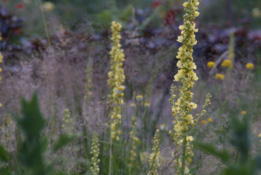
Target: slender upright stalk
44, 22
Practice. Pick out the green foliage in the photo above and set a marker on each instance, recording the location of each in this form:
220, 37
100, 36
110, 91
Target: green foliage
242, 163
33, 146
31, 150
63, 140
3, 154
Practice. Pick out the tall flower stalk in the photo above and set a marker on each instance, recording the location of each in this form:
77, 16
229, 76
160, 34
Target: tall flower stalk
116, 80
154, 156
182, 108
95, 154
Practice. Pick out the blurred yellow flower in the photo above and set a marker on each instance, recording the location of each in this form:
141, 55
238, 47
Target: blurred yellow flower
189, 138
121, 88
259, 135
132, 104
226, 63
203, 122
147, 104
139, 97
211, 64
243, 112
210, 120
256, 12
250, 66
219, 76
48, 6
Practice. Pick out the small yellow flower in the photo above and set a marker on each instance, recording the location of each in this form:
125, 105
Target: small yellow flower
147, 104
219, 76
203, 122
259, 135
139, 97
211, 64
193, 105
250, 66
121, 88
256, 12
243, 112
48, 6
189, 138
132, 104
210, 120
226, 63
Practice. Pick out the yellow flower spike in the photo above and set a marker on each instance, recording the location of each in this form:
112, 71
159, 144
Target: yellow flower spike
204, 122
210, 64
95, 151
226, 63
250, 66
116, 80
134, 141
183, 106
210, 120
244, 112
154, 156
220, 76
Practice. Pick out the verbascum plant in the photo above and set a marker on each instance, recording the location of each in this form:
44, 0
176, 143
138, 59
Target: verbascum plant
182, 108
95, 154
67, 122
154, 156
116, 80
88, 83
134, 141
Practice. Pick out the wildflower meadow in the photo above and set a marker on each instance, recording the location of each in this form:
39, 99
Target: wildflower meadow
130, 87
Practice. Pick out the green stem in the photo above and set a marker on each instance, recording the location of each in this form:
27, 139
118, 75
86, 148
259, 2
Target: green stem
183, 155
44, 22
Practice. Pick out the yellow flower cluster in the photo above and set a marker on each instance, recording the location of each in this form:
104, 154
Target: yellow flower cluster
204, 122
186, 74
220, 76
134, 141
116, 80
67, 122
182, 108
95, 154
154, 156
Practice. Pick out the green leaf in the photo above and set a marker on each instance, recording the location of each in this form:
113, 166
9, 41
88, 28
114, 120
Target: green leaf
258, 162
3, 154
63, 141
223, 155
5, 171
